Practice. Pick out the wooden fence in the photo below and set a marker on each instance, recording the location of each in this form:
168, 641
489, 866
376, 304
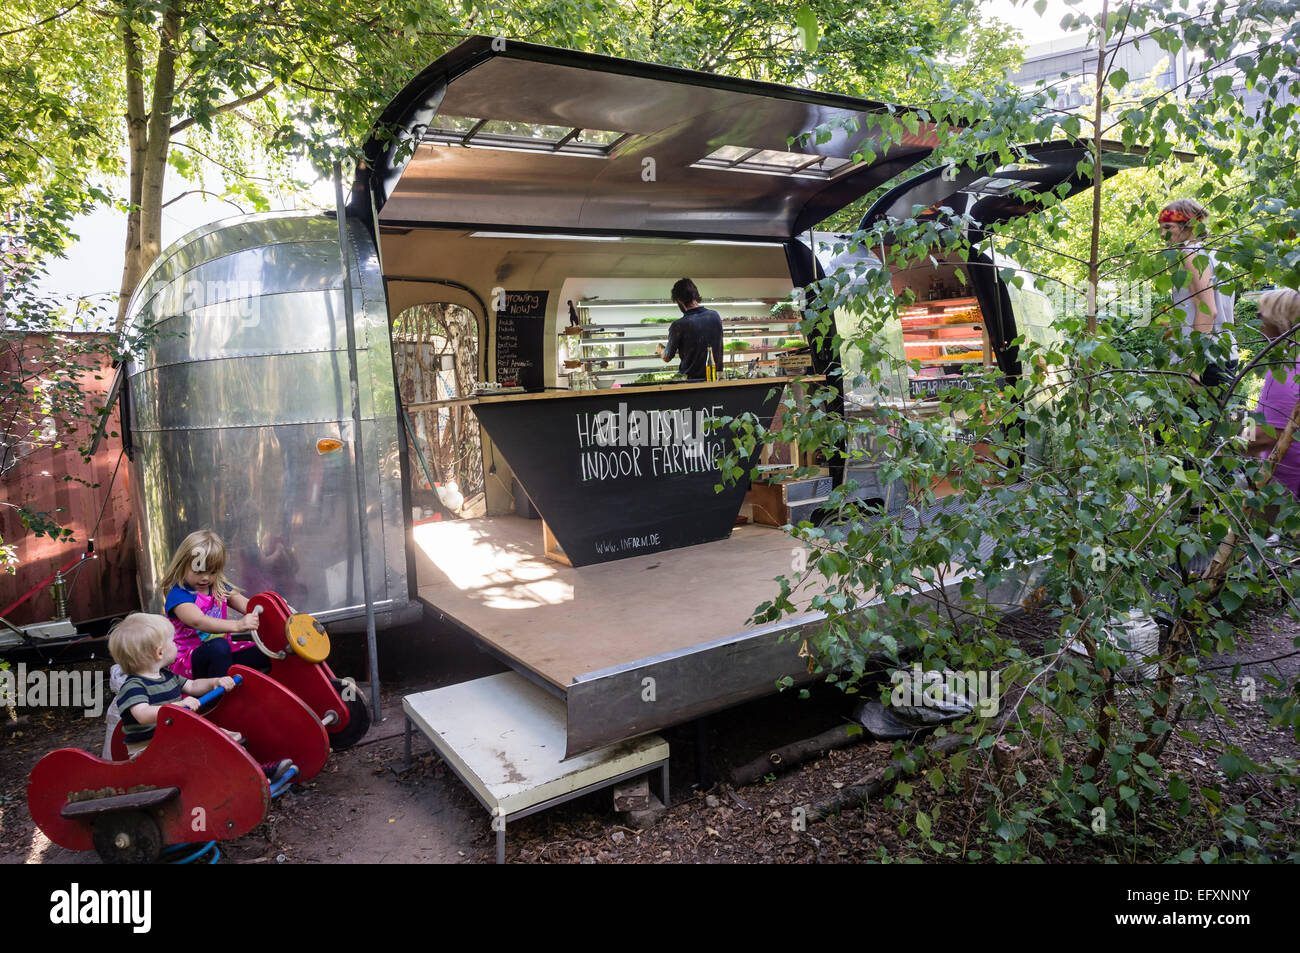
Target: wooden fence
48, 477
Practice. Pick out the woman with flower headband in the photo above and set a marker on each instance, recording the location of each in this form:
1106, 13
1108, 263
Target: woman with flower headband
1198, 305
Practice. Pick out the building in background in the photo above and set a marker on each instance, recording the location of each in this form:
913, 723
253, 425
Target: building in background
1070, 65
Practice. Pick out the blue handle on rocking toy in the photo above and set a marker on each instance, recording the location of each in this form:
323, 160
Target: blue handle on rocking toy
217, 692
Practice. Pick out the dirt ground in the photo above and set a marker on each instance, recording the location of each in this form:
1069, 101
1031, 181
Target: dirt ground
365, 808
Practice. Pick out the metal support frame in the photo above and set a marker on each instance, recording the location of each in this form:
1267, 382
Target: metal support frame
660, 767
358, 456
702, 768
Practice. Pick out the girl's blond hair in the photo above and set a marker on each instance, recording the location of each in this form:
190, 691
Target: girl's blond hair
134, 642
202, 547
1282, 304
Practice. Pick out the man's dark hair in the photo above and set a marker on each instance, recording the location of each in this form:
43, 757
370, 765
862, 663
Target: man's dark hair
685, 292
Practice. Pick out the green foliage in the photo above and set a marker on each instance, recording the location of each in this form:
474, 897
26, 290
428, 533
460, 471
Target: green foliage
246, 96
1246, 313
258, 88
856, 48
1146, 477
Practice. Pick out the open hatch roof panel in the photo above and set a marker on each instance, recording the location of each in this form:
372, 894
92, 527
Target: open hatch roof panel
1008, 192
538, 138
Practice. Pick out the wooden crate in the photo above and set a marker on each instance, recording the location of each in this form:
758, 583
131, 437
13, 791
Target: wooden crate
775, 502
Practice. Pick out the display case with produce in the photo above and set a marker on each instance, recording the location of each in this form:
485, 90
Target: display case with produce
617, 340
945, 337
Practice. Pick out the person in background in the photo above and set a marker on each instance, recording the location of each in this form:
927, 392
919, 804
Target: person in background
1199, 305
1279, 312
694, 334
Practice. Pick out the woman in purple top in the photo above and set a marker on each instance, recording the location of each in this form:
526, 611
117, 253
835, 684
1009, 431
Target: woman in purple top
1279, 311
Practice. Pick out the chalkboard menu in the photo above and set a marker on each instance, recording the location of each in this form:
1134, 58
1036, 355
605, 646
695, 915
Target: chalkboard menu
520, 339
922, 387
629, 473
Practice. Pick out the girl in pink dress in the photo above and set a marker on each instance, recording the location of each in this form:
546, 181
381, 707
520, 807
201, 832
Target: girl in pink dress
1279, 311
197, 598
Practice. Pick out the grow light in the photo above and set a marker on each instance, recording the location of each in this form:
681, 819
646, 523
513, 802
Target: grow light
545, 236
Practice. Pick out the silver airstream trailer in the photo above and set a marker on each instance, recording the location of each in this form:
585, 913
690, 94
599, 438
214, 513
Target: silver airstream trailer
531, 187
239, 415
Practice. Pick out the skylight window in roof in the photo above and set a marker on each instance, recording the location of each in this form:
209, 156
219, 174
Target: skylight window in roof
600, 137
728, 154
1021, 167
529, 137
457, 123
781, 160
773, 162
990, 185
523, 130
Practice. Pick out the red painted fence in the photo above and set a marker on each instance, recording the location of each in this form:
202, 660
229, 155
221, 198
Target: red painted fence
48, 478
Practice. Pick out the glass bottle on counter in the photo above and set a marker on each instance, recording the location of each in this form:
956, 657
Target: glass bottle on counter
710, 369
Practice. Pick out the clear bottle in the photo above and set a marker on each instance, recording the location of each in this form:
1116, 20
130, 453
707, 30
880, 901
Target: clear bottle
710, 369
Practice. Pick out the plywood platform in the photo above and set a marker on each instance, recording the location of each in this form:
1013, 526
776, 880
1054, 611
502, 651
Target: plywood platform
490, 576
505, 738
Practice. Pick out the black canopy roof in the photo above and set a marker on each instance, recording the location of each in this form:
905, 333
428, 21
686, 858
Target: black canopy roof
1020, 188
529, 137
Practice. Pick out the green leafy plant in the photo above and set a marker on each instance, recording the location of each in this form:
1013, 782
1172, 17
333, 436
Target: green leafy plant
1144, 500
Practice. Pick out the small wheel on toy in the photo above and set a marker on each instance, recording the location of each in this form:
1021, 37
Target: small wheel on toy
358, 716
128, 837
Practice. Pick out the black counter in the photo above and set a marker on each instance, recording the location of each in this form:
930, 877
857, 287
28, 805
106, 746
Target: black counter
632, 470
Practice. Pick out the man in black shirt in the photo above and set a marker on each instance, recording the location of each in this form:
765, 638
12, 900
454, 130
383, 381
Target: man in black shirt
693, 334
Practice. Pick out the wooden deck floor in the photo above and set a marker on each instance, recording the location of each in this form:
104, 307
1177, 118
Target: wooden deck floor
490, 575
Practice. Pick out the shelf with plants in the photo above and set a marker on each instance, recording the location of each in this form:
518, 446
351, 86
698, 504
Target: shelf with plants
750, 329
615, 344
939, 306
950, 324
951, 359
775, 349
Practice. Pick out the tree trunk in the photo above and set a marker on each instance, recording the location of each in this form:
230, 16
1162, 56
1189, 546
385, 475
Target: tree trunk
150, 141
138, 139
1098, 176
795, 753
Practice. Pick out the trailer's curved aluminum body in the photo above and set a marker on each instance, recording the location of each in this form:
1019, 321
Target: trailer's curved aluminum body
246, 370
